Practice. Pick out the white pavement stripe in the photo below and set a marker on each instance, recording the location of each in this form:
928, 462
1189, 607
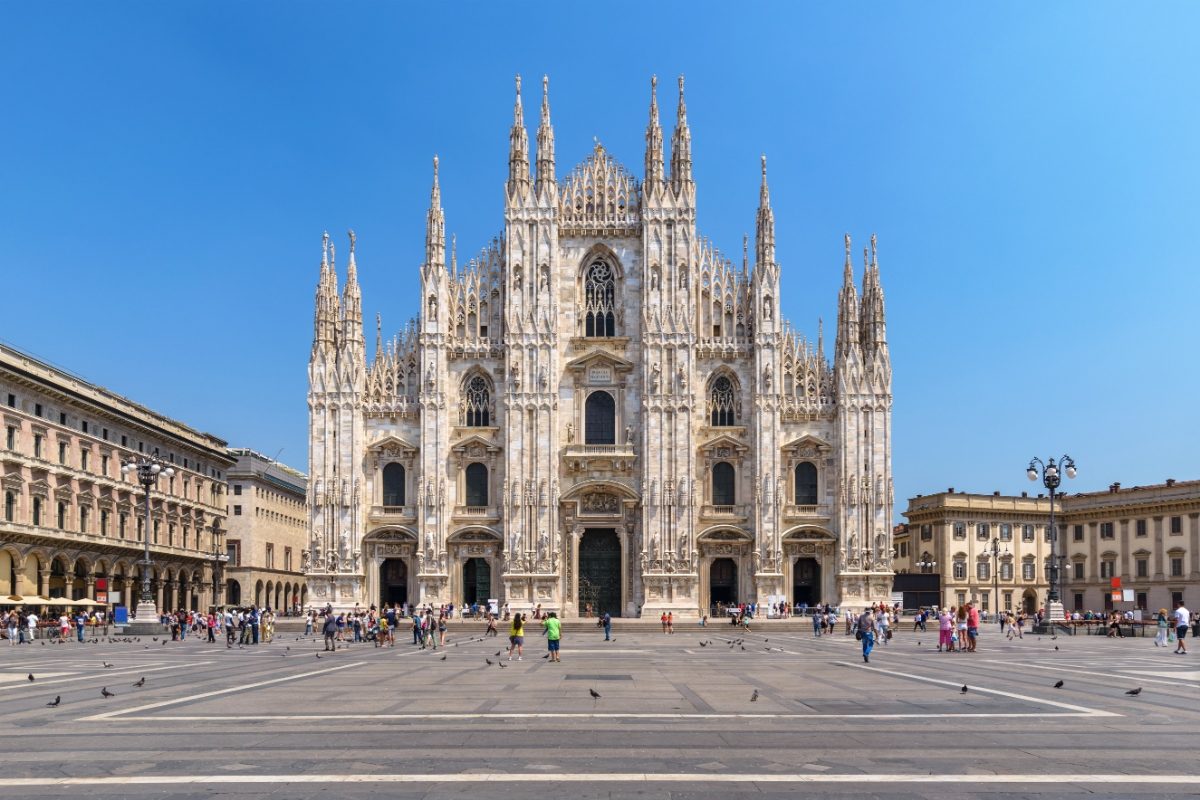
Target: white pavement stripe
865, 779
494, 715
202, 695
1076, 671
96, 674
1093, 712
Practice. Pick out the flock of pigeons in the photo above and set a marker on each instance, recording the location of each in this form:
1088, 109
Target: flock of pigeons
104, 692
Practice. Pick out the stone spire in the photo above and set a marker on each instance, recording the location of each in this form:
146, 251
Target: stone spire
655, 171
352, 300
764, 239
545, 142
681, 148
847, 333
873, 318
325, 318
378, 334
518, 150
435, 225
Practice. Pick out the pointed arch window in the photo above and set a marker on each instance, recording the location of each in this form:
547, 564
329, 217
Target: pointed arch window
723, 493
477, 403
599, 300
477, 484
393, 484
806, 484
600, 418
722, 402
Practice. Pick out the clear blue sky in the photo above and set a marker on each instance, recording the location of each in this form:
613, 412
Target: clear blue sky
1031, 171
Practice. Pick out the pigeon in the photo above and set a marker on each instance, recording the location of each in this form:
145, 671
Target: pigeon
31, 678
318, 655
1055, 647
503, 665
1134, 692
498, 652
704, 644
106, 665
1058, 685
140, 683
443, 657
963, 690
164, 641
546, 656
57, 700
155, 638
488, 661
595, 695
754, 697
106, 693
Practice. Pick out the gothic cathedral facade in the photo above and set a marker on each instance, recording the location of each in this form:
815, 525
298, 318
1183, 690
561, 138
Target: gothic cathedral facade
600, 412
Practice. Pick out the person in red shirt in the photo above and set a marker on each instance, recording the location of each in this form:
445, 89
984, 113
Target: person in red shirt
972, 626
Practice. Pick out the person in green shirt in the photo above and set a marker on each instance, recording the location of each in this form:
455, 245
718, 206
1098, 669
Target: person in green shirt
552, 627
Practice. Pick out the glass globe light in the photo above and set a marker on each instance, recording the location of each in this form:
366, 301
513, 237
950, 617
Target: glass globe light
169, 471
155, 468
1071, 471
1032, 473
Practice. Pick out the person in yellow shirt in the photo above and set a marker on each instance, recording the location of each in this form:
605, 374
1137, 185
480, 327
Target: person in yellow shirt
516, 637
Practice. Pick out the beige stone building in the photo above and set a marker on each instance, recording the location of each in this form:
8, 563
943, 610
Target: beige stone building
72, 523
268, 529
1146, 537
981, 546
600, 409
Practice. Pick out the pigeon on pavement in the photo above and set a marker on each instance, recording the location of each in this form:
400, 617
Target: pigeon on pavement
106, 693
1058, 685
963, 690
1134, 692
57, 700
754, 697
140, 683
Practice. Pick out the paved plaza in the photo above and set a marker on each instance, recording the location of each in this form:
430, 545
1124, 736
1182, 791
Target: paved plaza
674, 719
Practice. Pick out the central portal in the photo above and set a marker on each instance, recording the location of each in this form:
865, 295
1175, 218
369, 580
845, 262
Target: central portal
600, 572
477, 581
806, 582
722, 582
393, 582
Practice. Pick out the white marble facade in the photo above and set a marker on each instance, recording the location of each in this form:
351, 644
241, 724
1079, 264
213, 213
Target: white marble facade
599, 409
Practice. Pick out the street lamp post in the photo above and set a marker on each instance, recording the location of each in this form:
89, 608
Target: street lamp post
148, 469
219, 559
1051, 475
994, 549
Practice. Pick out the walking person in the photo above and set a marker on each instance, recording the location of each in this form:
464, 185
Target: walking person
1182, 618
1160, 621
818, 623
881, 625
606, 621
866, 633
329, 630
516, 637
552, 628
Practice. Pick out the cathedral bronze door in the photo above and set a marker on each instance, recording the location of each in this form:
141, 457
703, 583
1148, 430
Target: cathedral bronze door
477, 581
393, 582
722, 582
806, 581
600, 572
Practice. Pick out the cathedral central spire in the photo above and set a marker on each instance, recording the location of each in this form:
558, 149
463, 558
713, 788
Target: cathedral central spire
518, 149
654, 142
764, 240
545, 141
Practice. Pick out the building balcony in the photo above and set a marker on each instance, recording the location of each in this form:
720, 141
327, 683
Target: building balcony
802, 513
616, 458
736, 513
383, 515
477, 513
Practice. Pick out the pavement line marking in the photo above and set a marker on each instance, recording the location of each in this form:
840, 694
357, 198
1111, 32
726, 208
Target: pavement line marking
93, 673
1094, 712
587, 715
1076, 671
600, 777
202, 695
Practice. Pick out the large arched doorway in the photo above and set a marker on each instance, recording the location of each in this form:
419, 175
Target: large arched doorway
722, 582
477, 581
233, 593
393, 582
1029, 602
600, 571
806, 582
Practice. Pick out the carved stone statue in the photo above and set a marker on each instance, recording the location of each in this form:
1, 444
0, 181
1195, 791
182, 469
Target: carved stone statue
515, 371
333, 561
655, 376
682, 379
628, 434
570, 432
305, 561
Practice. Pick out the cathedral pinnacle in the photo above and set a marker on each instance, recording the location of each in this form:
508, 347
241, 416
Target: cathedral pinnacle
681, 147
545, 141
435, 225
518, 151
654, 141
764, 240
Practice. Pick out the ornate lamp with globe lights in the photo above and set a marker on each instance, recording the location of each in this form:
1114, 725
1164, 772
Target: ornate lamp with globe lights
148, 469
1051, 474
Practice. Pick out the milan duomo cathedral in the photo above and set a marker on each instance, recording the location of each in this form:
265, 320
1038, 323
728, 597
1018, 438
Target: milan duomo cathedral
600, 411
